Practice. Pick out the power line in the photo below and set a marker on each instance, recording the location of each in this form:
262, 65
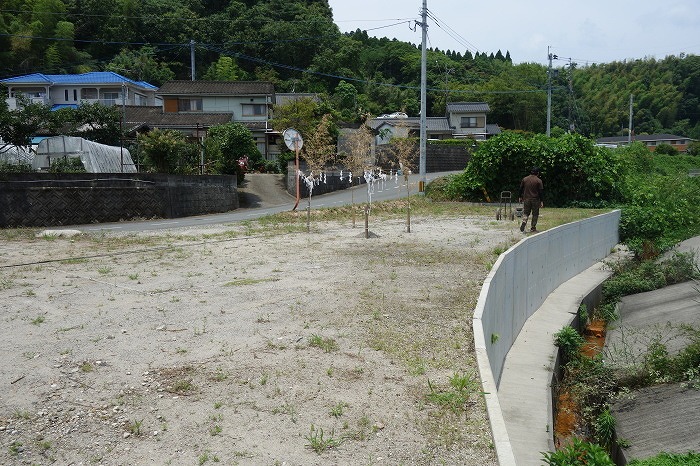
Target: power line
296, 39
387, 26
85, 41
373, 19
242, 56
452, 33
150, 17
224, 51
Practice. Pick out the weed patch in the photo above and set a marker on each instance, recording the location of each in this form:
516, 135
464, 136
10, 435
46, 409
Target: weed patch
318, 442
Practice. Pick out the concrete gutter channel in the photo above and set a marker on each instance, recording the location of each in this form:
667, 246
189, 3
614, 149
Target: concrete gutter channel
534, 289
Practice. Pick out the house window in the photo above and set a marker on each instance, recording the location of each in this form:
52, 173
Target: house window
254, 110
88, 93
469, 122
111, 98
189, 105
75, 95
65, 94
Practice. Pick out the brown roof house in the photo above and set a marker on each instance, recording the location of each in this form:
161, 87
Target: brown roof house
462, 120
192, 107
468, 119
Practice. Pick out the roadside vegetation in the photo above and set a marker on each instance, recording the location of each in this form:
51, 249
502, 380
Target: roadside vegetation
578, 173
593, 383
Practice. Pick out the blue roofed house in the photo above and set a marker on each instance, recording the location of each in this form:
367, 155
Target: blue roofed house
71, 90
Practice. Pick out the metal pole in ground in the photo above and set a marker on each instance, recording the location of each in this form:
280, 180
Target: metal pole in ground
308, 216
366, 221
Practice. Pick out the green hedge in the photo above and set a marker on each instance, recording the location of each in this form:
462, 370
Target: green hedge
573, 168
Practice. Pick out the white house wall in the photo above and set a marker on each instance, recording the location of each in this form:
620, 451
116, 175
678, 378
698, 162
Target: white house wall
227, 104
456, 122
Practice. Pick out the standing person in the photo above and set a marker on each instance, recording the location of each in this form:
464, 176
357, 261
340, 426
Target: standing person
531, 189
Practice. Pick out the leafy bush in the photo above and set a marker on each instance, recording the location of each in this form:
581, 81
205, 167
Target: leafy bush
226, 144
656, 215
570, 341
437, 190
605, 429
283, 160
591, 383
468, 142
167, 151
666, 149
271, 166
579, 454
693, 148
15, 168
67, 165
685, 366
674, 165
633, 276
573, 168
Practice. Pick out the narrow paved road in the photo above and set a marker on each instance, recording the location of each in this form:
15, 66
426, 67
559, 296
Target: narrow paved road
267, 196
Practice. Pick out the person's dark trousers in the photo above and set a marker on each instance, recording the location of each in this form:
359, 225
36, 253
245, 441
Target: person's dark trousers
530, 206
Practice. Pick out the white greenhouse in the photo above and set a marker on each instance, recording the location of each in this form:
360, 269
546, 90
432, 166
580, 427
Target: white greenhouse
96, 158
14, 155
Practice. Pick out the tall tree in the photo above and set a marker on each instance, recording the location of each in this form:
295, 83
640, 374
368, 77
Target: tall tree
168, 151
141, 65
18, 126
319, 150
226, 144
356, 155
224, 69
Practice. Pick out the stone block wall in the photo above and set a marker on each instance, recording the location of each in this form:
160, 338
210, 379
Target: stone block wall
52, 199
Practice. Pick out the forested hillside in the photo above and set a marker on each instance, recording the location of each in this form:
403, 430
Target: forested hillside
296, 44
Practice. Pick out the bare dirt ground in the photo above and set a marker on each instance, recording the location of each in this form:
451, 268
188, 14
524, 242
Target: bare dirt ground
227, 345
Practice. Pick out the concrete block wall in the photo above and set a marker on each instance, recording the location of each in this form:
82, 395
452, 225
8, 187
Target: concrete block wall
438, 157
46, 199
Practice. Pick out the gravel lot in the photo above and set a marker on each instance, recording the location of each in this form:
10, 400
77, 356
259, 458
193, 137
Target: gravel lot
230, 345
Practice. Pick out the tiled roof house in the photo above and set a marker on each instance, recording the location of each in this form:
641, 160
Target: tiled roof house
462, 120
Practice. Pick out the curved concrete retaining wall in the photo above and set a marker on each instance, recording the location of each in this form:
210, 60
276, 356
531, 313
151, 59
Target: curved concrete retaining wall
518, 284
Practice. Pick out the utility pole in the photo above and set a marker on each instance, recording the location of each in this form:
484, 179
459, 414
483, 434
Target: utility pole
629, 133
572, 126
423, 98
121, 128
192, 57
549, 91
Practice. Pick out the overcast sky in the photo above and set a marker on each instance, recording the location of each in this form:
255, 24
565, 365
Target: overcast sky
589, 31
